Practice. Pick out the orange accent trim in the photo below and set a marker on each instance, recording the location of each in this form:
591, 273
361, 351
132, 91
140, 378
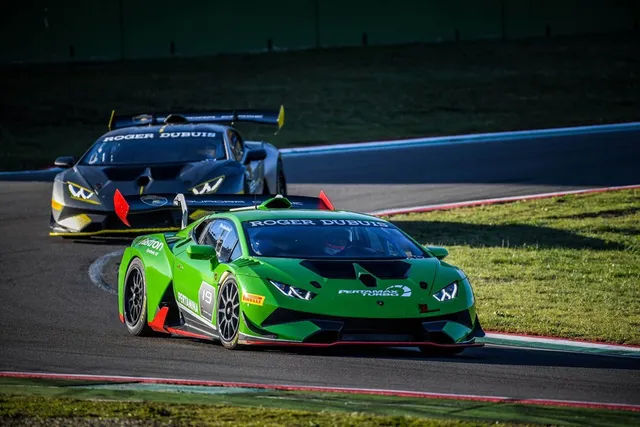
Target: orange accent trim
326, 202
121, 318
121, 207
187, 334
157, 324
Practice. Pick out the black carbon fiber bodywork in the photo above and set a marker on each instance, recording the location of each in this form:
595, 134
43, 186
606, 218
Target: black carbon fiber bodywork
83, 194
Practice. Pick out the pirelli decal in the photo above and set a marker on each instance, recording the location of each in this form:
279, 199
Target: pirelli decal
253, 299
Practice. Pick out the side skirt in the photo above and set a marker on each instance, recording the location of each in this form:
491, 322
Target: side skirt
194, 326
171, 319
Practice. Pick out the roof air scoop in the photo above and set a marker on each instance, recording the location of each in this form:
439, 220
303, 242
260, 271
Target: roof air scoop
277, 202
176, 118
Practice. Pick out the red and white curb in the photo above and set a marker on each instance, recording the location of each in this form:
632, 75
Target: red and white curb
560, 344
321, 389
494, 201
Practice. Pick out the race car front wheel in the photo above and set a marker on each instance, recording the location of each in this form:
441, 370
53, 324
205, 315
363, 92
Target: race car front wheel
135, 300
228, 317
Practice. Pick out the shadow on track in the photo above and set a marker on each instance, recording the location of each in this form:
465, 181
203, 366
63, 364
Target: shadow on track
511, 235
488, 355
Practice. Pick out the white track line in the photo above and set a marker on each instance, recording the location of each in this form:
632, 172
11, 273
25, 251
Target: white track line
563, 342
463, 139
313, 388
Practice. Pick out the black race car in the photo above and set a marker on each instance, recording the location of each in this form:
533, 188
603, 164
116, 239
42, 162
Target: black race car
155, 157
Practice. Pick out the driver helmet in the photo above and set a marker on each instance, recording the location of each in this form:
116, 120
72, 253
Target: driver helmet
336, 240
266, 244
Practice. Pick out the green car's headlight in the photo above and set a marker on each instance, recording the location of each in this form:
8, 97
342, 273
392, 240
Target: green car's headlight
81, 193
208, 187
447, 293
292, 291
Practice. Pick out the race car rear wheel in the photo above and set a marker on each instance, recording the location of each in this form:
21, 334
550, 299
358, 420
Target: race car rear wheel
281, 182
228, 317
135, 300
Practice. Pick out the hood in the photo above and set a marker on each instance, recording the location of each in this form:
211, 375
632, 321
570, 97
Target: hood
378, 288
167, 178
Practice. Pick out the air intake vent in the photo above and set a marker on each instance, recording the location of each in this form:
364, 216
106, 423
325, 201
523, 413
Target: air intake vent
166, 172
143, 181
176, 118
123, 173
386, 269
245, 263
277, 202
331, 269
368, 280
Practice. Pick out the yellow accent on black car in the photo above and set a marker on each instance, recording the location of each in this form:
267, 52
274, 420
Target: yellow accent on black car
113, 114
124, 231
208, 187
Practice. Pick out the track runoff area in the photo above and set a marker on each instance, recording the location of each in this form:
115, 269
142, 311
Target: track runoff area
540, 343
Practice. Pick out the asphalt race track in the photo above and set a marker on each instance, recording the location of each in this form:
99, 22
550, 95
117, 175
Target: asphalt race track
55, 320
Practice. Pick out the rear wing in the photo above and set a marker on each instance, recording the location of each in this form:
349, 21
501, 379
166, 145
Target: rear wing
264, 117
187, 203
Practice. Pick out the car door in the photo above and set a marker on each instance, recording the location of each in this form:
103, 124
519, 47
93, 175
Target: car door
195, 281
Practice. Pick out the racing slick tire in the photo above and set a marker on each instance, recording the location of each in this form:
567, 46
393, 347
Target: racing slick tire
281, 183
135, 300
228, 313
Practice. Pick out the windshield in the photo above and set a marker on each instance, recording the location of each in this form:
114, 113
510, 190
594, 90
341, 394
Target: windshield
334, 239
148, 148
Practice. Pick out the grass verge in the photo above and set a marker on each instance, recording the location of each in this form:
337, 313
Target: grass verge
75, 403
333, 95
565, 267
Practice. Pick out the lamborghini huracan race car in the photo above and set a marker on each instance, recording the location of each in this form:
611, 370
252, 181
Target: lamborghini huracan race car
292, 271
161, 153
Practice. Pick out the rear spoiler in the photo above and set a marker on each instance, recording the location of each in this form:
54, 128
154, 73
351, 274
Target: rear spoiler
264, 117
214, 203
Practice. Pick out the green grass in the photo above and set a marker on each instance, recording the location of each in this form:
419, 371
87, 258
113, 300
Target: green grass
566, 267
334, 95
73, 402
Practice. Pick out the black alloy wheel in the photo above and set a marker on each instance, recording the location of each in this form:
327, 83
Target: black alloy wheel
228, 317
135, 300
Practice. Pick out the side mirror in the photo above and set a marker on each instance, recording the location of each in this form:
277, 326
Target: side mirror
438, 251
201, 252
65, 161
255, 155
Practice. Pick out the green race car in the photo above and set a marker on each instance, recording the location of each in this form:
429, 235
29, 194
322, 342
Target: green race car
293, 272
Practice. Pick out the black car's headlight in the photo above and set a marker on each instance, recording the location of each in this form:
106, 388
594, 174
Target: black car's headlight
292, 291
83, 194
208, 187
447, 293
